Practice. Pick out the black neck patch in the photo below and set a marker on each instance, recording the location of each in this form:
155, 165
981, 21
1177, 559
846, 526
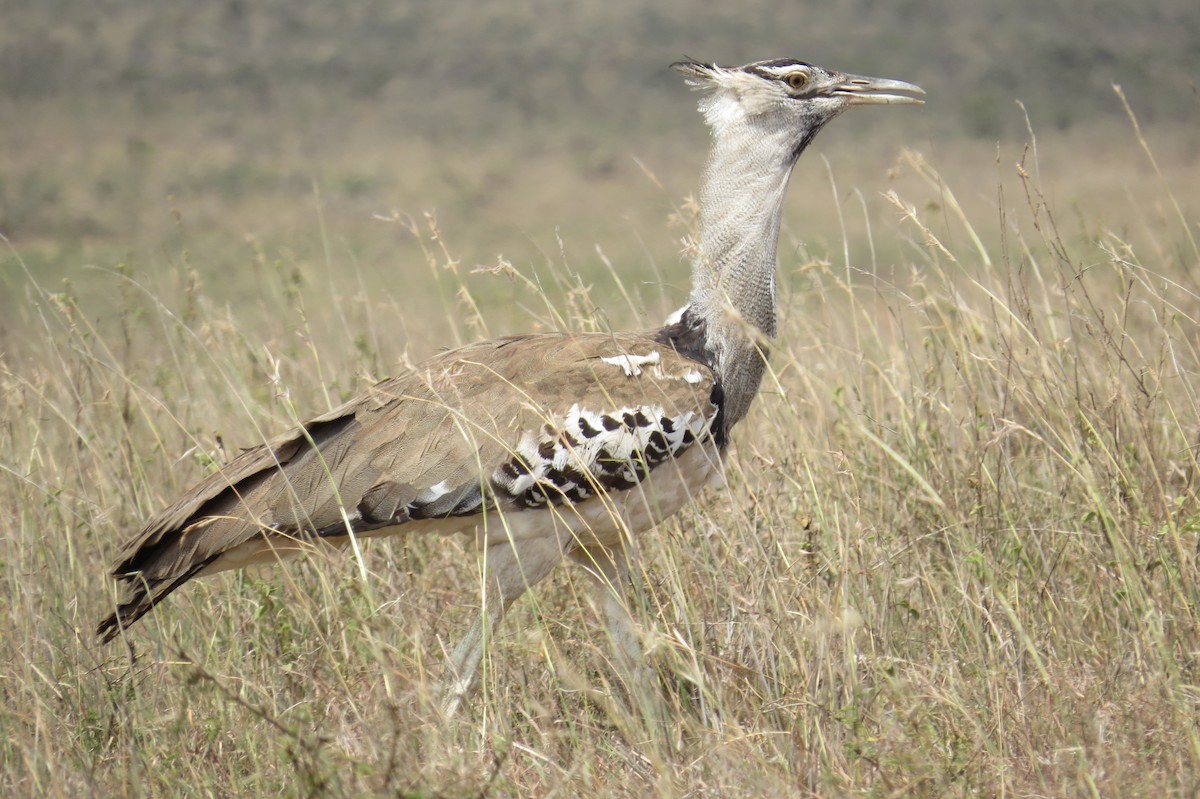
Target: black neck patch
689, 338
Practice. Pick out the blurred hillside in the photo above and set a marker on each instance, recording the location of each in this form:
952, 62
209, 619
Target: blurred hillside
470, 67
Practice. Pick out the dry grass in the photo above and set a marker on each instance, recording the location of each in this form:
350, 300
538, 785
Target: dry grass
956, 555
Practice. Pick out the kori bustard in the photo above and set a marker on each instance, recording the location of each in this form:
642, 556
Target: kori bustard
539, 447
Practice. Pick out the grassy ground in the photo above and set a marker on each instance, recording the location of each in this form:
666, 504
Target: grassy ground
955, 557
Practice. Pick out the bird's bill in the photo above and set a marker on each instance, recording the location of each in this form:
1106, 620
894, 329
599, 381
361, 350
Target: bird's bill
859, 90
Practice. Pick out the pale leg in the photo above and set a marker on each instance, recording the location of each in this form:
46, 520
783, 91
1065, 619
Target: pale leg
510, 569
610, 570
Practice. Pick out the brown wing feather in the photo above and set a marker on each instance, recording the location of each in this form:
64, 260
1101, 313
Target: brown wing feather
418, 446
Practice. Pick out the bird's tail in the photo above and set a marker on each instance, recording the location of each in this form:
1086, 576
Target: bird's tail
141, 596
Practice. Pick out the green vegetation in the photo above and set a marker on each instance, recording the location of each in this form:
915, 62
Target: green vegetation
957, 553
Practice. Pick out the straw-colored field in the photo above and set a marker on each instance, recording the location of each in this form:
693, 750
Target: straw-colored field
956, 556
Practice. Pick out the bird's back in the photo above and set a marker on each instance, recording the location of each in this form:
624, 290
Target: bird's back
553, 433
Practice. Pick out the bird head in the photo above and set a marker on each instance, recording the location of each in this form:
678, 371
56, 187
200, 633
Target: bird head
786, 97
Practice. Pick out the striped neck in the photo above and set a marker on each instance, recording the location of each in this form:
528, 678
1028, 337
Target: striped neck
741, 205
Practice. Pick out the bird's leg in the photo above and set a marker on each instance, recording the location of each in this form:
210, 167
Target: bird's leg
610, 570
510, 568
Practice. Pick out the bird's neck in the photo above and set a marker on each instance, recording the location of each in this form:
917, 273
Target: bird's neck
741, 203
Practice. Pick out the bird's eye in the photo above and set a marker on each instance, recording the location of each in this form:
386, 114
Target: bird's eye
797, 80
